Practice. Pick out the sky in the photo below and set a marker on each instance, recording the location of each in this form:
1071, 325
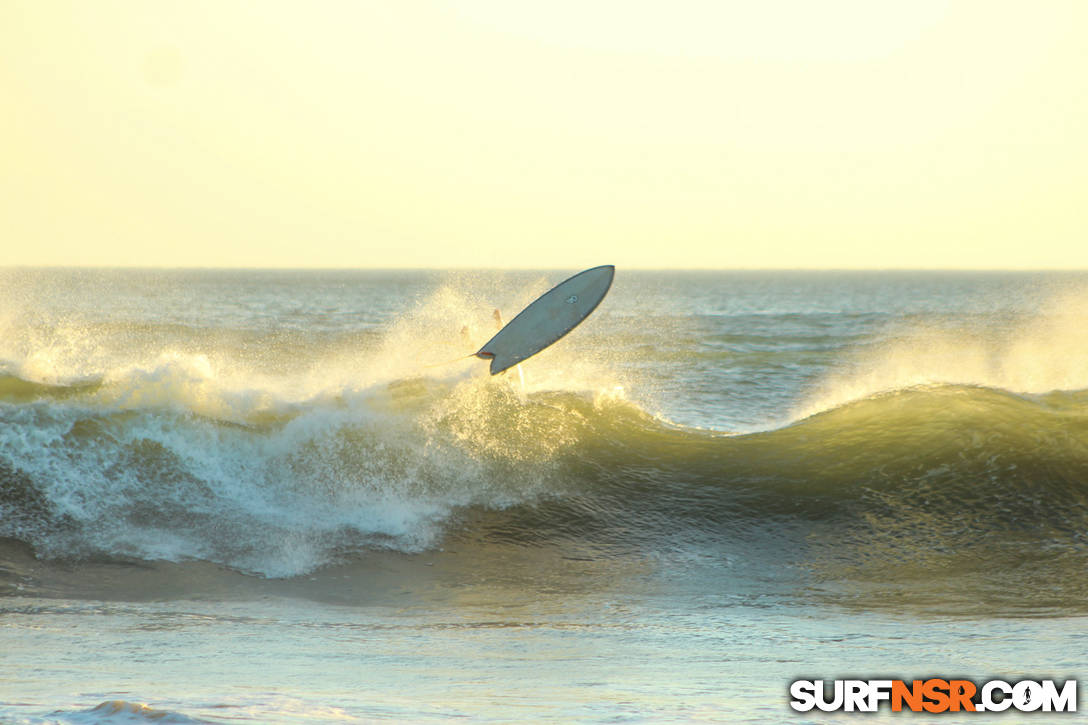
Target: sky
560, 134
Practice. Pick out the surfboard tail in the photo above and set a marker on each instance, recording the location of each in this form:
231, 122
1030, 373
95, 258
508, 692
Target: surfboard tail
485, 355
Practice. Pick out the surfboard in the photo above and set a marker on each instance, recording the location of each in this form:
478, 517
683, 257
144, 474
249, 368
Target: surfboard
548, 318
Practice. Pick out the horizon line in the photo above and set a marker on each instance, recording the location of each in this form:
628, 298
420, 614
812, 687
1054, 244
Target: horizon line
636, 268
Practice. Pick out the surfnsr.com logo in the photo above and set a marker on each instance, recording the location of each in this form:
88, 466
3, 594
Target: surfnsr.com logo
934, 695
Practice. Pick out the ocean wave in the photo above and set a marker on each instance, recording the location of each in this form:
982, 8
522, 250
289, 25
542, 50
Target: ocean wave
174, 468
1036, 353
122, 712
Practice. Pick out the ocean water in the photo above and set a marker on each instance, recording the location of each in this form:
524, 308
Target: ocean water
286, 496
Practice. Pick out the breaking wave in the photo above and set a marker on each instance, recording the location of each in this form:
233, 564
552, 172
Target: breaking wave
275, 448
279, 488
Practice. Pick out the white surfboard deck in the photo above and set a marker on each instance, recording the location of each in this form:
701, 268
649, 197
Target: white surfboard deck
548, 318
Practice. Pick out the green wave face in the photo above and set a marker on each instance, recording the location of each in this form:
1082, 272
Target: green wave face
977, 493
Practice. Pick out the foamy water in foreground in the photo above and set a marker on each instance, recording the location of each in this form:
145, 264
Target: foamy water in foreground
281, 497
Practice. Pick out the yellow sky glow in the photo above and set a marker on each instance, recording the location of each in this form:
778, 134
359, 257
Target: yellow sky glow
489, 133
